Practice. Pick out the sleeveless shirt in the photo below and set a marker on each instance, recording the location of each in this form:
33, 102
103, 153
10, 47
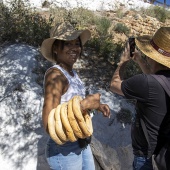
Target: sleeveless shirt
76, 86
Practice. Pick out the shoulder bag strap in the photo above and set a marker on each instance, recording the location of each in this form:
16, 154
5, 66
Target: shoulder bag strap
163, 81
166, 86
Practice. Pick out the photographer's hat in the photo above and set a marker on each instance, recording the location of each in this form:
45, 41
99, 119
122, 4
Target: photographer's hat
156, 47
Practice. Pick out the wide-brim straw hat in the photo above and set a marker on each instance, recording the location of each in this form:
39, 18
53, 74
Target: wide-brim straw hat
62, 31
156, 47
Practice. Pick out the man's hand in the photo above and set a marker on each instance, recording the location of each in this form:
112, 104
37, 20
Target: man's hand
104, 108
125, 56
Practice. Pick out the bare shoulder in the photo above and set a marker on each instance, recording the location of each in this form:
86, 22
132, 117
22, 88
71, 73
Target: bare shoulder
54, 76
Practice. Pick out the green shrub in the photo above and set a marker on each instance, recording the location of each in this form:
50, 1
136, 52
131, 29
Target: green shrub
84, 17
22, 24
102, 41
131, 69
121, 28
106, 49
79, 17
124, 116
102, 25
157, 12
119, 13
160, 13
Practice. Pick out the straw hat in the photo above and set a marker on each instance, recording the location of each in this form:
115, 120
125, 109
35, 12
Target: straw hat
156, 47
62, 31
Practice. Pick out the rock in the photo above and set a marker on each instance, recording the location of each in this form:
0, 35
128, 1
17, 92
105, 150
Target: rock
106, 158
125, 157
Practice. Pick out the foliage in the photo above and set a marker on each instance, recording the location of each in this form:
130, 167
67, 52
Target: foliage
102, 41
79, 17
124, 116
119, 13
106, 48
22, 24
83, 16
132, 69
102, 25
157, 12
121, 28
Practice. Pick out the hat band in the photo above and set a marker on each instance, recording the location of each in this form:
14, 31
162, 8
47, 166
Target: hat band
159, 49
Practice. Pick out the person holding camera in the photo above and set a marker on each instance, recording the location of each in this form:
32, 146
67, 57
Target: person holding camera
61, 83
152, 102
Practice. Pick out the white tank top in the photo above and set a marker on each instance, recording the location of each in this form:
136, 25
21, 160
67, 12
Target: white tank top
76, 86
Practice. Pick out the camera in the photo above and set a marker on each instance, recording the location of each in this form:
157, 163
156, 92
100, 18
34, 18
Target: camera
132, 45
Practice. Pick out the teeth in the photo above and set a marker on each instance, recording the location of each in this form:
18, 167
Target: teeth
73, 54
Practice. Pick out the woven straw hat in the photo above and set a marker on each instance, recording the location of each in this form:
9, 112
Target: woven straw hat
62, 31
156, 47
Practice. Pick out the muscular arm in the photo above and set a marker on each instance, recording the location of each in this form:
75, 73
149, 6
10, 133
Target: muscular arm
55, 85
116, 80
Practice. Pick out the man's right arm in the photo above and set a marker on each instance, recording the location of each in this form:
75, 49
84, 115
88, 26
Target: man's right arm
137, 57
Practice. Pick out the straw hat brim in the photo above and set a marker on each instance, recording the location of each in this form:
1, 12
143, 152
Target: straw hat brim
46, 47
143, 43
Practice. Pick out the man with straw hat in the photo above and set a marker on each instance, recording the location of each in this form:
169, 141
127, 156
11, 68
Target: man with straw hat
152, 102
61, 84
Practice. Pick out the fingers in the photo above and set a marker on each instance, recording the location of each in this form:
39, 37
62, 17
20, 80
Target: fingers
125, 56
104, 108
106, 112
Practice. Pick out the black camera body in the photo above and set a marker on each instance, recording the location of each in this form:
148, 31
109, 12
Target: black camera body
132, 45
